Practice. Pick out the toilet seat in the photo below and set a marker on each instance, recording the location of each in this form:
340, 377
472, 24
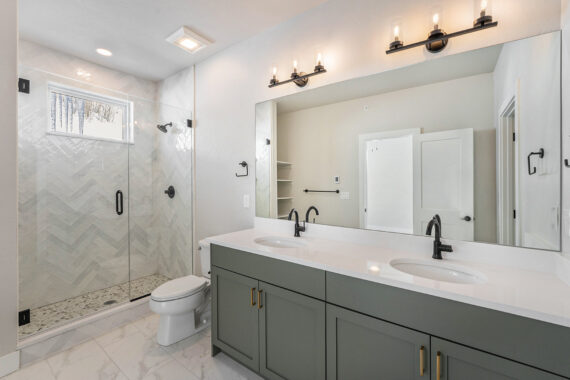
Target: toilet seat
179, 288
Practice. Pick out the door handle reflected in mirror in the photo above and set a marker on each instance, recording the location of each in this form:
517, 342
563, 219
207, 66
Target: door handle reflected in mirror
467, 218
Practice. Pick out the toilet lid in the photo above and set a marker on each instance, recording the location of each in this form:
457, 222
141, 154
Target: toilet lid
178, 288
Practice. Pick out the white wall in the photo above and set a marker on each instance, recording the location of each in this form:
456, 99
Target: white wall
8, 178
322, 142
530, 69
352, 35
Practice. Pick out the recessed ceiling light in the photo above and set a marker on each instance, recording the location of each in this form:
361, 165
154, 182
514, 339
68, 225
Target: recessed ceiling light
188, 40
104, 52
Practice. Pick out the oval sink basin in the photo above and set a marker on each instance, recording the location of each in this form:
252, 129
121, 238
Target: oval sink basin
279, 242
439, 271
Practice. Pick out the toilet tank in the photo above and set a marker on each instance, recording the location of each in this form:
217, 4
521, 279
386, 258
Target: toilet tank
205, 257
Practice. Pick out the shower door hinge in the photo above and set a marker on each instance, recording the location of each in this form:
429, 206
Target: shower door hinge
24, 317
514, 214
189, 123
24, 85
514, 137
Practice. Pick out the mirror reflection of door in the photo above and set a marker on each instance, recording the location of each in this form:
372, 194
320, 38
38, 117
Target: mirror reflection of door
443, 182
507, 179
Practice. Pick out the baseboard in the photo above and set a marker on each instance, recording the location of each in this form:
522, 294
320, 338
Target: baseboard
9, 363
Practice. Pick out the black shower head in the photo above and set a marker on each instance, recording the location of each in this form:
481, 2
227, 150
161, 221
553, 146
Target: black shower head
162, 127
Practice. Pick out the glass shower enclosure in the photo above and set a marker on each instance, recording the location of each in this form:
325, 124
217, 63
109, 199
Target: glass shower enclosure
97, 226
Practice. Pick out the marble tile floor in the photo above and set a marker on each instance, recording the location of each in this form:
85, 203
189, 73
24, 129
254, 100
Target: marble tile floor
59, 313
131, 353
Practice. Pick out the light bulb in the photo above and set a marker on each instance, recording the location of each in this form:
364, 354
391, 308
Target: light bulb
274, 71
396, 32
295, 65
435, 19
319, 59
483, 5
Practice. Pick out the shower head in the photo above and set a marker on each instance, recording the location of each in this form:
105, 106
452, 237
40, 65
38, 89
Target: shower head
162, 127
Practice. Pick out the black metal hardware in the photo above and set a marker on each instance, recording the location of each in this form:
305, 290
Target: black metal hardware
431, 42
246, 166
162, 127
298, 227
540, 154
566, 163
267, 142
170, 192
438, 246
119, 202
24, 85
138, 298
467, 218
189, 123
24, 317
514, 214
321, 191
309, 211
300, 79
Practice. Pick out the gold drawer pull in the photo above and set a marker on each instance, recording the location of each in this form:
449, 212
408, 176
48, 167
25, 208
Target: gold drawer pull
252, 297
259, 305
422, 369
438, 370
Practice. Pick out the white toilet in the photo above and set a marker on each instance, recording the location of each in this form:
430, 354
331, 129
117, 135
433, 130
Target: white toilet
184, 303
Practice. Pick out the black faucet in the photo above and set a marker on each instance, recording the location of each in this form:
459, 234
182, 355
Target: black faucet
298, 227
309, 211
437, 246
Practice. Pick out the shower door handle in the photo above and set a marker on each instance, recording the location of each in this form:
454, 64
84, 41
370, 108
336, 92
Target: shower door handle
119, 202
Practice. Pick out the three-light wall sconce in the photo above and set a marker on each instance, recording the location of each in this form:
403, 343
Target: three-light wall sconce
437, 39
299, 78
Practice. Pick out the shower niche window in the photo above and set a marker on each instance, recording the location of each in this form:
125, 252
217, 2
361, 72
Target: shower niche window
78, 113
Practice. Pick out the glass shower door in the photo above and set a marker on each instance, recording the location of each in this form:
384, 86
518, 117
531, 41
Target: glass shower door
73, 199
161, 195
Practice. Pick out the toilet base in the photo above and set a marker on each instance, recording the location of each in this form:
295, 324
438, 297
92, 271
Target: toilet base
174, 328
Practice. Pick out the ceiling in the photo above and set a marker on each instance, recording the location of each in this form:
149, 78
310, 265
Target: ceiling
135, 30
449, 67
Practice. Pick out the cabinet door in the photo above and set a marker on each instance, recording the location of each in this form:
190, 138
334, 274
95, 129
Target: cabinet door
458, 362
292, 335
235, 327
361, 347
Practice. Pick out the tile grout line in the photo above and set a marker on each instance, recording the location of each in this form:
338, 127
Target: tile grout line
111, 359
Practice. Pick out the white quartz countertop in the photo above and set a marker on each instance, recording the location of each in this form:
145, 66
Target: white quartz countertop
533, 294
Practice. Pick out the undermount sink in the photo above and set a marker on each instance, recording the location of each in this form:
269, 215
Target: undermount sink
439, 271
279, 242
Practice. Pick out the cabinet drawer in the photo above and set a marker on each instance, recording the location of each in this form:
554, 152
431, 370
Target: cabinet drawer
298, 278
539, 344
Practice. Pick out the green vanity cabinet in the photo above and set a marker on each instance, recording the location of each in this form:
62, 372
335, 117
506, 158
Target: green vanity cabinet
288, 321
275, 332
361, 347
291, 335
450, 361
235, 326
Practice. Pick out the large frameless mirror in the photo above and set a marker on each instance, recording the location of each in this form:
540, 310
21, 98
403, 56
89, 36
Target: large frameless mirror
472, 137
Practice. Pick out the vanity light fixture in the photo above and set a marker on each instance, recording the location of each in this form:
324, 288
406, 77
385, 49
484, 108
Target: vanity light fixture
299, 78
187, 39
437, 39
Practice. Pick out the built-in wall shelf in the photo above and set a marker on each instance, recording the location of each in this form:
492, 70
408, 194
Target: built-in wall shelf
284, 198
283, 163
284, 180
284, 216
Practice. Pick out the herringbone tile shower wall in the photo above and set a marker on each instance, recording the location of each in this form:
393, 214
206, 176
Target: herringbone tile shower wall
71, 239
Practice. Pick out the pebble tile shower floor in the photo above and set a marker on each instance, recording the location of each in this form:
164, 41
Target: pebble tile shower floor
59, 313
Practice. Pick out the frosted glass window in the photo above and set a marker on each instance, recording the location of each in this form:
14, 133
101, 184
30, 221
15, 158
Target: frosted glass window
79, 113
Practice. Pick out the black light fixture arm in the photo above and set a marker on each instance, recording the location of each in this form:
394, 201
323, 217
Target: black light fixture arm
299, 79
540, 154
444, 37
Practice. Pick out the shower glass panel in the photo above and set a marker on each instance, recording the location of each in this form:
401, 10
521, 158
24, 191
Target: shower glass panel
73, 141
160, 221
